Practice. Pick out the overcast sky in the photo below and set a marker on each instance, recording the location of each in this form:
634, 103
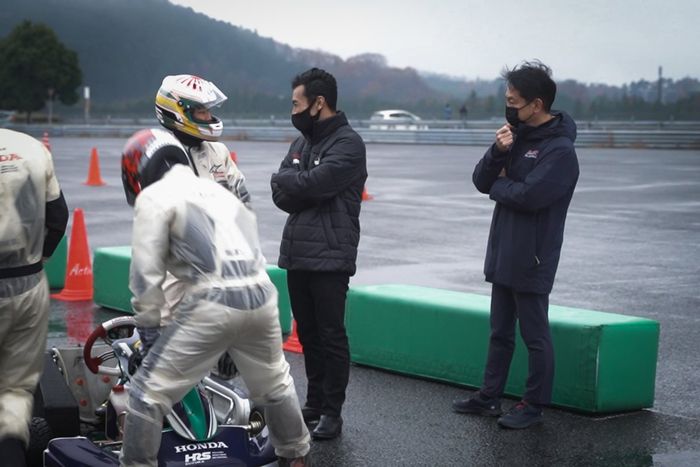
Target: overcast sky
593, 41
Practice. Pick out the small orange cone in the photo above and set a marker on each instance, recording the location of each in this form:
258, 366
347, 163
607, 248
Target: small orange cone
45, 140
366, 196
292, 344
79, 268
234, 157
94, 178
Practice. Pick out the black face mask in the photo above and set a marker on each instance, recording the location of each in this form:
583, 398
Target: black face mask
512, 115
304, 122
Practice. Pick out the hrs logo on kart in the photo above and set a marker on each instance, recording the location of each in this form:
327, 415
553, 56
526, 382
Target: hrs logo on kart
197, 458
192, 458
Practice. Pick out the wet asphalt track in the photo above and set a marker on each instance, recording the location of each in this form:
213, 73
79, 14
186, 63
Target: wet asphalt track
632, 246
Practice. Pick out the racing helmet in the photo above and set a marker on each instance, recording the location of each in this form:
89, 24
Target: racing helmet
146, 157
179, 96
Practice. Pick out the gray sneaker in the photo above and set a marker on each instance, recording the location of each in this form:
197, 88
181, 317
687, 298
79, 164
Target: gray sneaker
522, 415
478, 405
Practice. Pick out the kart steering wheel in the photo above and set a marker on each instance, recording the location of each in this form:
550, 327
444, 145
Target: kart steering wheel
107, 332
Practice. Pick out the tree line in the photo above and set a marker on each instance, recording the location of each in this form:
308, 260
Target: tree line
38, 70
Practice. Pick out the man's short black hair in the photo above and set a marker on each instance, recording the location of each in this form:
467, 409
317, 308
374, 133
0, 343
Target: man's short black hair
532, 80
318, 82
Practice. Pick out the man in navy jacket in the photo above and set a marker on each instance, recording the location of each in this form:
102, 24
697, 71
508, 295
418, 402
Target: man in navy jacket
319, 183
530, 172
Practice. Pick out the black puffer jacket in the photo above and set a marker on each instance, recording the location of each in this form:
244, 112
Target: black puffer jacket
320, 185
527, 228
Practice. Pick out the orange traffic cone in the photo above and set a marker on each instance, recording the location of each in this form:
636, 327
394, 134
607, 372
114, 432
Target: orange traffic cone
366, 196
45, 140
292, 344
79, 268
234, 158
94, 178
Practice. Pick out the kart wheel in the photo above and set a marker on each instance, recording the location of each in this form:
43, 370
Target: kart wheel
39, 436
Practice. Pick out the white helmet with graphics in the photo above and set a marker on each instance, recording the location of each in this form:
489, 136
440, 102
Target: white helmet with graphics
178, 98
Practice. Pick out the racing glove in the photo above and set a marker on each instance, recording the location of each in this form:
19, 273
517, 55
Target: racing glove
148, 337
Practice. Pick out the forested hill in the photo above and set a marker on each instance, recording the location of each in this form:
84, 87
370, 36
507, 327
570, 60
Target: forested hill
126, 47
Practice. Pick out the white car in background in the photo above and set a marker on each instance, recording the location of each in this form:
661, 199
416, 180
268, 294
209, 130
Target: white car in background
6, 116
396, 120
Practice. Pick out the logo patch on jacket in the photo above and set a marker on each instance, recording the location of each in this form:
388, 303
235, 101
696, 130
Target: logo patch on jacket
532, 154
218, 173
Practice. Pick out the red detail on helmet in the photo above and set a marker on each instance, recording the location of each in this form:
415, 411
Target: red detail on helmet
130, 166
194, 82
131, 159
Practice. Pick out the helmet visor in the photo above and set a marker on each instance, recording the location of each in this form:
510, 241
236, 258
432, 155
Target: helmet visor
201, 115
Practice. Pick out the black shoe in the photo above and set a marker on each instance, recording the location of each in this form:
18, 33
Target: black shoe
522, 415
478, 405
328, 427
310, 414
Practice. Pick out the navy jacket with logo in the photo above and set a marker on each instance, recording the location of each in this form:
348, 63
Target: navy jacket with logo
527, 228
320, 185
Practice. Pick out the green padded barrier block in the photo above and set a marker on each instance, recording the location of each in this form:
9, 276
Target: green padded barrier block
110, 266
278, 277
55, 267
604, 362
111, 283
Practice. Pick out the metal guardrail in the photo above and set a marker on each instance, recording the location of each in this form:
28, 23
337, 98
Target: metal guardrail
611, 138
586, 138
455, 124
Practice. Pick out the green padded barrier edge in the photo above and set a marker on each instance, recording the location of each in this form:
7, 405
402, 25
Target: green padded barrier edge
278, 277
111, 283
110, 266
55, 267
605, 362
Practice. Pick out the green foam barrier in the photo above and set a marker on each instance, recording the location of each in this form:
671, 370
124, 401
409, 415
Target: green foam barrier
278, 277
111, 283
110, 267
604, 362
55, 267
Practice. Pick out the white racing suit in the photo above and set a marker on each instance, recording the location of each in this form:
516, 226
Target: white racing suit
33, 216
211, 160
208, 240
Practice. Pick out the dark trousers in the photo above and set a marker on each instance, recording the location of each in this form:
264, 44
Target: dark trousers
318, 306
530, 310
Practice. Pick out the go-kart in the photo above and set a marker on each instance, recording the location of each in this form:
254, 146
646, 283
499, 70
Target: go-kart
213, 425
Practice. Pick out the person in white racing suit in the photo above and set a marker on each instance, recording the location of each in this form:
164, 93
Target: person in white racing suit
184, 105
33, 217
208, 240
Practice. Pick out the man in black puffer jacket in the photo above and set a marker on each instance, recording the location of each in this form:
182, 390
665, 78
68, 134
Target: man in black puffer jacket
319, 184
530, 172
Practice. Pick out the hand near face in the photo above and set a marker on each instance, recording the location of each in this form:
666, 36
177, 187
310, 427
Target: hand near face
504, 138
